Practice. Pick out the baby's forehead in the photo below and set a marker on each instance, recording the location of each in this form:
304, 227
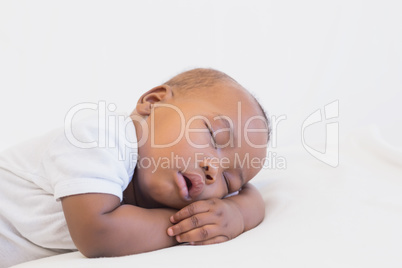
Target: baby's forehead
230, 105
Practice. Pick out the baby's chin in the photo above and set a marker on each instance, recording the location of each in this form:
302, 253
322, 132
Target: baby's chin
167, 200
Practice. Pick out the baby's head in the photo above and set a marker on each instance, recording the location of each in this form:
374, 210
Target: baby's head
201, 135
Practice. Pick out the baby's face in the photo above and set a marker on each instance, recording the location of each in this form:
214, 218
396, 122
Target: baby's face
201, 146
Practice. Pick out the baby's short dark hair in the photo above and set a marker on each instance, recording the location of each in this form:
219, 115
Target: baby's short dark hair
192, 81
197, 79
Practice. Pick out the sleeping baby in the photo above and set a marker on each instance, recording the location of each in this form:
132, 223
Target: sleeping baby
176, 170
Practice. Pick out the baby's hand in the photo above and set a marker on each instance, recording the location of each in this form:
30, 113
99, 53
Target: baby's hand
207, 222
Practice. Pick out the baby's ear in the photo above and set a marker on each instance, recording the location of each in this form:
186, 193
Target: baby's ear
157, 94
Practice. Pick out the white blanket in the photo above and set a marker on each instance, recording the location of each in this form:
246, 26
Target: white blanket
316, 216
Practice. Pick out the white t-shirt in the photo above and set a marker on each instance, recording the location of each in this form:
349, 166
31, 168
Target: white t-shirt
96, 155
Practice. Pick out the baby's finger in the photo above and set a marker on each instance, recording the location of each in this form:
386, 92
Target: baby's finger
190, 210
190, 223
214, 240
200, 234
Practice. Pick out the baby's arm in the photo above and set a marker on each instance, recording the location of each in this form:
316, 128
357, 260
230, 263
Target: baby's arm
101, 227
215, 220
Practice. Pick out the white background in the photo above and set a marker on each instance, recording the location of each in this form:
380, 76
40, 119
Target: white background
295, 56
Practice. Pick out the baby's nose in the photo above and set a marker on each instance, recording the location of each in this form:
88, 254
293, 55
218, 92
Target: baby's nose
210, 170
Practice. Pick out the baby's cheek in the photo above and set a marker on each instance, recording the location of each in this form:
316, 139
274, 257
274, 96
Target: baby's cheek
216, 191
197, 139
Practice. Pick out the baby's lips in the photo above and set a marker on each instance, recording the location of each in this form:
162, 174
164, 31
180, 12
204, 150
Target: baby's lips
197, 184
181, 182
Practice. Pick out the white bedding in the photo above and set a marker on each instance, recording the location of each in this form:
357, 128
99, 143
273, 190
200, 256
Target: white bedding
316, 216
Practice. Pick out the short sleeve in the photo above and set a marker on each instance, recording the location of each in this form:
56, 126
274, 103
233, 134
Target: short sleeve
94, 156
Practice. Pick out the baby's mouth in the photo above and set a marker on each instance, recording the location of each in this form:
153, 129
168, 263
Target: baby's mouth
195, 184
188, 183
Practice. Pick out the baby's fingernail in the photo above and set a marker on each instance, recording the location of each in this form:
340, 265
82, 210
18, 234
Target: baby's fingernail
178, 238
171, 219
170, 232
